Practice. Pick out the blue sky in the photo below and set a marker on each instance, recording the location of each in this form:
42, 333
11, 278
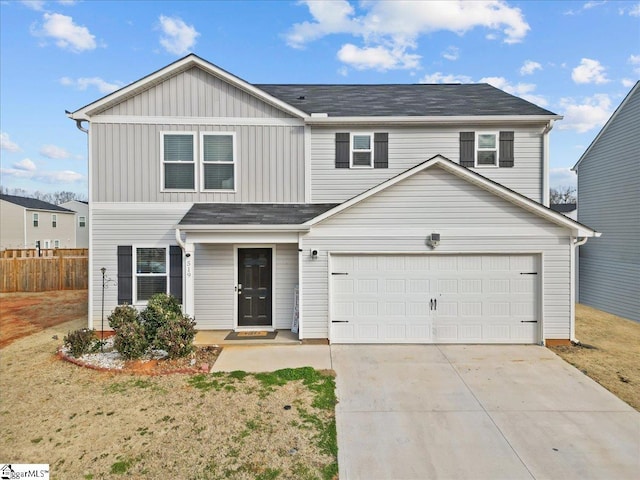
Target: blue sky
578, 59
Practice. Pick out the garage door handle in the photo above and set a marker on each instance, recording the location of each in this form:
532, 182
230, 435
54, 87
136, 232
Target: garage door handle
339, 321
528, 321
339, 273
528, 273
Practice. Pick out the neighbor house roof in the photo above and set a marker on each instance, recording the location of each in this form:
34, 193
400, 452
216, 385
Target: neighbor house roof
395, 100
253, 213
563, 207
33, 203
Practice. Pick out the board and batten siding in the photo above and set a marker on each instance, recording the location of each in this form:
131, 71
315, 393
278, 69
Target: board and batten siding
215, 296
150, 225
469, 220
126, 163
194, 93
608, 201
410, 146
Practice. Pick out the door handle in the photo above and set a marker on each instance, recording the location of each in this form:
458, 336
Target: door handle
435, 304
238, 288
431, 304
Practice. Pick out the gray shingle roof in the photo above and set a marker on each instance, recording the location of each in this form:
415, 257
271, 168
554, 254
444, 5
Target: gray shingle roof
403, 100
33, 203
253, 213
563, 207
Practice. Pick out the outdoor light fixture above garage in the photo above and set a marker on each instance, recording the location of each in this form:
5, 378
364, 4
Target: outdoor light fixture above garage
433, 240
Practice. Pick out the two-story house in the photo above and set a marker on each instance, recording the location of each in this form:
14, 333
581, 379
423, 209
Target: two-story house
402, 213
82, 221
29, 223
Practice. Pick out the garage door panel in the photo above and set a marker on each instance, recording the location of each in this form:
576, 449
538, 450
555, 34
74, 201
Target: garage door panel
476, 298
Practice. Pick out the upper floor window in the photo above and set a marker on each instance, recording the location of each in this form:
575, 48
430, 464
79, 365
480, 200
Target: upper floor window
362, 150
82, 222
54, 220
218, 161
486, 149
36, 219
178, 161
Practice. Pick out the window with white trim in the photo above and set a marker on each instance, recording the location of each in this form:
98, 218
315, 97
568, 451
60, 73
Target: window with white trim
56, 244
82, 222
36, 219
54, 220
178, 161
487, 149
151, 272
218, 161
362, 150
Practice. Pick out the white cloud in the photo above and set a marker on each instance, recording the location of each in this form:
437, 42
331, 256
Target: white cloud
7, 144
83, 83
179, 38
451, 53
589, 71
37, 5
591, 113
67, 2
26, 165
378, 58
391, 29
529, 67
66, 33
627, 82
54, 152
523, 90
562, 176
633, 10
51, 177
635, 61
439, 77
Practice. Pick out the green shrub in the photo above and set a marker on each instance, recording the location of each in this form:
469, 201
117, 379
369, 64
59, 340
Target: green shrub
123, 314
160, 307
80, 341
130, 340
175, 335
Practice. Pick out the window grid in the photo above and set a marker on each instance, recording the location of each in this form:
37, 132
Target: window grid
362, 150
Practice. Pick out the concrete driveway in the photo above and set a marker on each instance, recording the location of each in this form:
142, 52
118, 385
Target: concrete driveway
477, 412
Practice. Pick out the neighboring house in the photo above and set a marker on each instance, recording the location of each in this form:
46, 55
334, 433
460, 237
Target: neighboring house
567, 209
609, 196
82, 221
26, 221
404, 213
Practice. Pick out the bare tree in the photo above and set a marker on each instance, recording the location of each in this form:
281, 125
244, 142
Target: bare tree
56, 197
562, 194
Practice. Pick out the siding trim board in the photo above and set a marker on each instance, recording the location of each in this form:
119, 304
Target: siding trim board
213, 121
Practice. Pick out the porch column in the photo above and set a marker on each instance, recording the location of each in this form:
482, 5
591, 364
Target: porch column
189, 279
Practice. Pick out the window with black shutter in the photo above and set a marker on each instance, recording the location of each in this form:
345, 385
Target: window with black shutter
362, 150
486, 149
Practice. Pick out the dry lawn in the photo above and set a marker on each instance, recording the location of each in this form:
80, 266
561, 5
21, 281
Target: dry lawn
609, 352
101, 425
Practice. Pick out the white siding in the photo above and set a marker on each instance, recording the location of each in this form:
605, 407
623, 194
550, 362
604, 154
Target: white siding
469, 219
608, 200
214, 286
12, 227
410, 146
143, 225
127, 164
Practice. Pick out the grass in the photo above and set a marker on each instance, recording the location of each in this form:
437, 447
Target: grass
609, 352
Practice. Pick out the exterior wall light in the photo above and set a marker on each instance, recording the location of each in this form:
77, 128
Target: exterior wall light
433, 240
314, 254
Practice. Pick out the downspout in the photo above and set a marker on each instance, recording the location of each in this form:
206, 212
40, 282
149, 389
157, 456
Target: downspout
179, 240
545, 163
577, 242
188, 286
80, 127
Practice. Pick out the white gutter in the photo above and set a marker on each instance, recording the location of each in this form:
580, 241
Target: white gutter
246, 228
432, 119
545, 163
574, 248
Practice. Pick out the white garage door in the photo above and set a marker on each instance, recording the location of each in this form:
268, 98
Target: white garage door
434, 298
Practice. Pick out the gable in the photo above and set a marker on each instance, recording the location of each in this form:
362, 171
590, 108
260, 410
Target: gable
194, 93
436, 200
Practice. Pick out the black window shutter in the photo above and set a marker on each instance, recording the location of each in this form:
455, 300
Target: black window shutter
467, 149
342, 150
175, 272
506, 149
125, 274
381, 150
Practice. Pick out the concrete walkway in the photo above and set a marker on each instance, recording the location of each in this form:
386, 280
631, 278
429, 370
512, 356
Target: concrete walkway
477, 412
267, 358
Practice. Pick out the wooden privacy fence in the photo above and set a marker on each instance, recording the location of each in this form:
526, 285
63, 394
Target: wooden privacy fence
41, 274
44, 252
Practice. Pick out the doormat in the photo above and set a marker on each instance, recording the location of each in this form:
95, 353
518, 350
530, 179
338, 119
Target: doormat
262, 335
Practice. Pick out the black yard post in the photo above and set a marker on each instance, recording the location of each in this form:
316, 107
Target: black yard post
103, 270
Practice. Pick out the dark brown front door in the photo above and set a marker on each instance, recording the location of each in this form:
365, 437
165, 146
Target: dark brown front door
254, 287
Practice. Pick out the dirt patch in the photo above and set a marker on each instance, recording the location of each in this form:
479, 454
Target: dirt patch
608, 352
24, 313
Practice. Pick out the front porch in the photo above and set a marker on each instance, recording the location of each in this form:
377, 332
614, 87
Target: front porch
217, 337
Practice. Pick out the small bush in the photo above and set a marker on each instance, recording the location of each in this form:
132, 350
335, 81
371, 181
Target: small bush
80, 341
130, 340
175, 335
160, 307
123, 314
